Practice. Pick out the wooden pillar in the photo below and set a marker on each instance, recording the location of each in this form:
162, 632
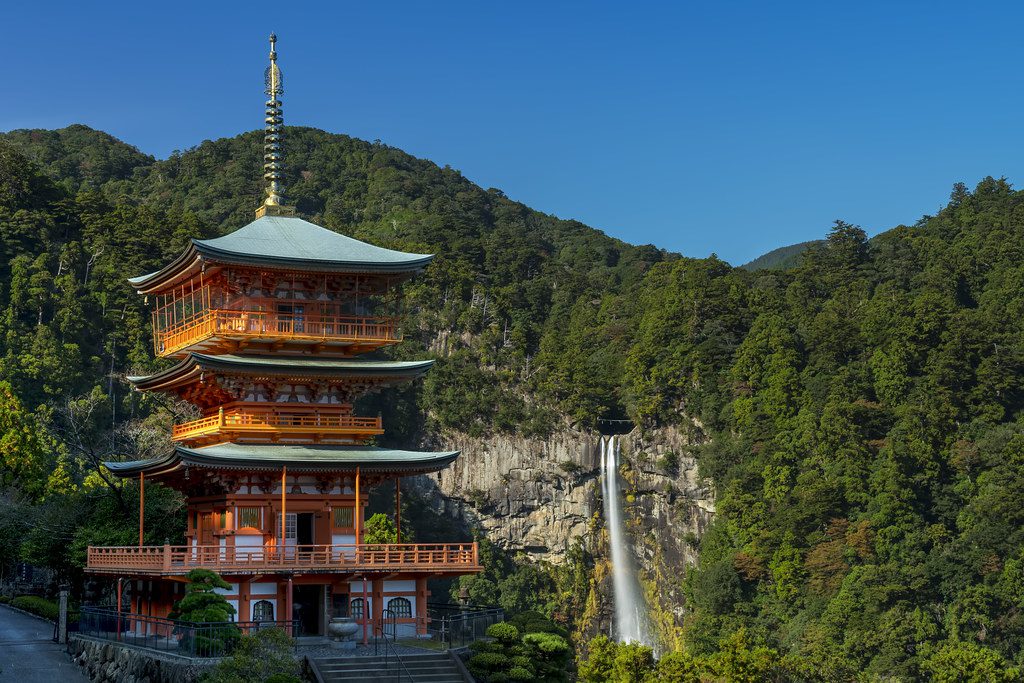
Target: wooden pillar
288, 609
244, 606
142, 503
120, 583
366, 610
284, 487
357, 513
421, 606
378, 604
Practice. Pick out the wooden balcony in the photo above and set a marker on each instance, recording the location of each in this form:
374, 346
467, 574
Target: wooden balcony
167, 560
267, 425
220, 330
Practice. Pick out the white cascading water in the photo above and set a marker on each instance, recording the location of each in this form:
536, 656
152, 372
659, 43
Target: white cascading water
631, 623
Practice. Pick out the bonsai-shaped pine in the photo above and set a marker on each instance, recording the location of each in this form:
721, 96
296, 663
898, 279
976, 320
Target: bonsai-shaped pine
209, 631
540, 656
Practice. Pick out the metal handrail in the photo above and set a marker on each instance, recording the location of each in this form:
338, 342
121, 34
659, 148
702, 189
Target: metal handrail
202, 639
380, 628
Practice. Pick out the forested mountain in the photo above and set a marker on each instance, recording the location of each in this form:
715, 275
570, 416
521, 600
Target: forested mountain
859, 414
782, 258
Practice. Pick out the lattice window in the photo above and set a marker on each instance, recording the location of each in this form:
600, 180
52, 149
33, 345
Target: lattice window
291, 521
355, 608
263, 610
250, 516
343, 517
400, 607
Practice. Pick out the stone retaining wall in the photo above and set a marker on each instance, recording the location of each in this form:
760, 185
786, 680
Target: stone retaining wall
106, 662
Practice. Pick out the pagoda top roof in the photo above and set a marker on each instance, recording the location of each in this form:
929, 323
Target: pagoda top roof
194, 364
289, 243
297, 458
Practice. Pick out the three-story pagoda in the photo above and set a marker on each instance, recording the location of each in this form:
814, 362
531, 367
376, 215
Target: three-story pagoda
268, 324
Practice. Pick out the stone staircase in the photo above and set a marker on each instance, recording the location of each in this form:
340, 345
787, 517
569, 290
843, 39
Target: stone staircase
422, 668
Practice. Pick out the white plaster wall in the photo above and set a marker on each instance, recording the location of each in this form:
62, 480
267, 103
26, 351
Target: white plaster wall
227, 591
263, 589
395, 586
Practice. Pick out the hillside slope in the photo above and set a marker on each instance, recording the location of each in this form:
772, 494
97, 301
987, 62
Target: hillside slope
842, 441
782, 258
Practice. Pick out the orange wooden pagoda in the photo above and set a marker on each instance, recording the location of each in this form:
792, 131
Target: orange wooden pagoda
268, 324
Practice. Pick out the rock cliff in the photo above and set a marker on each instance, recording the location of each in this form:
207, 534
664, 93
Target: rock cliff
539, 496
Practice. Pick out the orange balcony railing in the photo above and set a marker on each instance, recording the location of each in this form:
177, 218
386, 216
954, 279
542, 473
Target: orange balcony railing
254, 423
452, 558
265, 326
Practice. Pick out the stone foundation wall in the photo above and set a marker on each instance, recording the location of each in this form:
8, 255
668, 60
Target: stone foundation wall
106, 662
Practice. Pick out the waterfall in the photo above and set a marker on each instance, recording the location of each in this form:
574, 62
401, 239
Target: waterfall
631, 624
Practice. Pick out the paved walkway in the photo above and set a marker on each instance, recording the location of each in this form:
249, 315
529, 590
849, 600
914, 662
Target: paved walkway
28, 653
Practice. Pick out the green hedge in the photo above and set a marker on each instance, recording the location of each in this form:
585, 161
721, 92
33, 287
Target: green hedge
47, 609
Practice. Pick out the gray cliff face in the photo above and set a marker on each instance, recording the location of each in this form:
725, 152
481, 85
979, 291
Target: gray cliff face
536, 496
540, 496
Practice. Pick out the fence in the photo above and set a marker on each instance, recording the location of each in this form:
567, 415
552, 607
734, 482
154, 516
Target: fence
187, 638
454, 626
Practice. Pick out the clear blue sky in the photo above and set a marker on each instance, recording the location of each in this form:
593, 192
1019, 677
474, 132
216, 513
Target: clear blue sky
727, 127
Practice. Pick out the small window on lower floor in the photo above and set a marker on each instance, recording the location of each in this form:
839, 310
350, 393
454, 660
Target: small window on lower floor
400, 607
250, 517
355, 608
263, 610
343, 517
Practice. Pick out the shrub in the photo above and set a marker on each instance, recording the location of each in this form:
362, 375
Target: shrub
48, 609
669, 463
532, 621
203, 605
264, 657
4, 599
380, 529
504, 633
518, 673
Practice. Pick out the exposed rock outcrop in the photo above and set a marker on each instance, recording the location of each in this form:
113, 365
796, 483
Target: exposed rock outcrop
539, 496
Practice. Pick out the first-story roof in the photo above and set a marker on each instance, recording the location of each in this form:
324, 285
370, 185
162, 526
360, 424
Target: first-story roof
189, 369
285, 242
297, 458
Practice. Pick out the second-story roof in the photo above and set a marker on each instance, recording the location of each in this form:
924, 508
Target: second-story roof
190, 369
285, 242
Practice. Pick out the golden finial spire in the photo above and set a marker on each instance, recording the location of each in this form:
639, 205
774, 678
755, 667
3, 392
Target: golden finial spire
273, 168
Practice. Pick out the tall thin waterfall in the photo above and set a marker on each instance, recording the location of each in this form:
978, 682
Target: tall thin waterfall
631, 623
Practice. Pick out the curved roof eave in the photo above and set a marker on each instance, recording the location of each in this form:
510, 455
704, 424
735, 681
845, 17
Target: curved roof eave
296, 458
286, 243
319, 265
157, 280
288, 366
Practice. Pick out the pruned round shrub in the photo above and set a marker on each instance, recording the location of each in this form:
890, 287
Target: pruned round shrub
504, 633
488, 661
518, 673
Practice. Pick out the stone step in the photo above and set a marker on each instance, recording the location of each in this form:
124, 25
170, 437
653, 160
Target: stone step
425, 668
375, 659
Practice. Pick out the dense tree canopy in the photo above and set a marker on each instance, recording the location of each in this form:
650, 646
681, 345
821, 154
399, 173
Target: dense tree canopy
859, 413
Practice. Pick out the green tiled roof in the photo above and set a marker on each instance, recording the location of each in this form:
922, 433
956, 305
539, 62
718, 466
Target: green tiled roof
298, 458
287, 365
290, 242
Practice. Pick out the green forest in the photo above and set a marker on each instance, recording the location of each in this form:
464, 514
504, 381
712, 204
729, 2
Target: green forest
858, 411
